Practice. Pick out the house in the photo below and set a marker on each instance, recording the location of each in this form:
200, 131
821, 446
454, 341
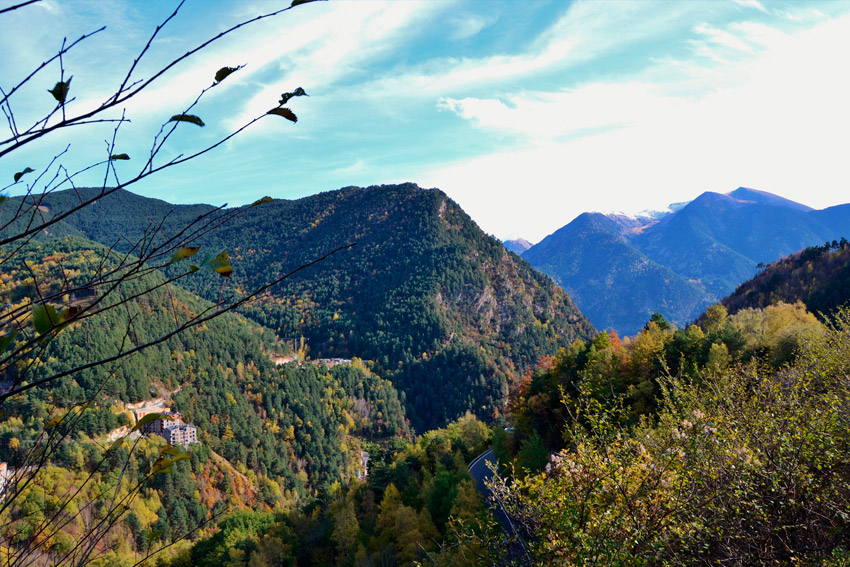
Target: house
158, 426
184, 435
170, 427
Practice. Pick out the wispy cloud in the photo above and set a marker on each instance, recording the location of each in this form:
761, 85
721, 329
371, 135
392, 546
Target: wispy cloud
755, 4
466, 26
753, 122
358, 166
527, 119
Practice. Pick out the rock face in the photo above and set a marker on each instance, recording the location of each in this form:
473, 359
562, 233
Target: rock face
621, 270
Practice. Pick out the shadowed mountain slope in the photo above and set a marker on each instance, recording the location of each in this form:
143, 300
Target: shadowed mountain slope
618, 270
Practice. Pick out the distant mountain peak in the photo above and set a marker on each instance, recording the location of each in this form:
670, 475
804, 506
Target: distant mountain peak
621, 268
517, 245
763, 197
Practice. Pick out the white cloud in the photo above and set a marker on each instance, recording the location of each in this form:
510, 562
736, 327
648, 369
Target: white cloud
755, 4
775, 120
358, 166
586, 31
464, 27
334, 45
723, 38
538, 116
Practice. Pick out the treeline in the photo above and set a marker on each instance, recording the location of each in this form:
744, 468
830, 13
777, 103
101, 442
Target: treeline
74, 491
269, 436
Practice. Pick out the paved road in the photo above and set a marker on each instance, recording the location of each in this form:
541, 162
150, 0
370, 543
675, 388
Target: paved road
481, 469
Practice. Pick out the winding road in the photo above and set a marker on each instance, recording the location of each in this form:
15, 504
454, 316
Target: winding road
481, 469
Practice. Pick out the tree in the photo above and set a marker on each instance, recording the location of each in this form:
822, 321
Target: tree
745, 466
29, 325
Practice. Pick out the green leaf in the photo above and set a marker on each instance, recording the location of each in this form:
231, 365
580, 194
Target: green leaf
284, 98
285, 112
162, 465
224, 72
44, 317
22, 173
193, 268
219, 263
262, 201
169, 449
186, 118
3, 198
117, 444
181, 457
119, 156
7, 339
54, 422
145, 420
184, 253
60, 90
153, 535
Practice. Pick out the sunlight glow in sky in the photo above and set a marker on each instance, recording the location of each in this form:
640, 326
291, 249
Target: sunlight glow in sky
527, 114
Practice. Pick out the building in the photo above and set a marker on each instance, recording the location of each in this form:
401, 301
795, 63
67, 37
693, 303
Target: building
158, 426
184, 435
169, 426
364, 466
82, 297
5, 480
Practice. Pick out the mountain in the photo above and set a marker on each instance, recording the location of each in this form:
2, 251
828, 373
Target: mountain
269, 437
218, 375
517, 245
620, 269
819, 276
438, 306
616, 285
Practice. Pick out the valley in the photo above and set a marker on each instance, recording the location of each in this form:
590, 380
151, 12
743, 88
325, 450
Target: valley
423, 345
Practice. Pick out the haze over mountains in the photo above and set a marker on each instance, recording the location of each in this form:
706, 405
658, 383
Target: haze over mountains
620, 270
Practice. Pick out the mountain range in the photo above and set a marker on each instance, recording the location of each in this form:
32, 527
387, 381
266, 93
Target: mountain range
620, 270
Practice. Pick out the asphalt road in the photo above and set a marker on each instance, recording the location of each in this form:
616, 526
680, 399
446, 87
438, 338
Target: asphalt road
482, 470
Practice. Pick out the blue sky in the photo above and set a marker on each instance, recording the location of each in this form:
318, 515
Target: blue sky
526, 113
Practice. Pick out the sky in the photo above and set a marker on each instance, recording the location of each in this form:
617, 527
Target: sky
525, 113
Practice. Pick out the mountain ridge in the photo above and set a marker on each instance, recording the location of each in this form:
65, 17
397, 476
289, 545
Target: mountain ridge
439, 306
712, 244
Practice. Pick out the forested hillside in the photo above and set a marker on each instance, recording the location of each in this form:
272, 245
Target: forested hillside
819, 276
718, 443
438, 306
745, 464
269, 436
